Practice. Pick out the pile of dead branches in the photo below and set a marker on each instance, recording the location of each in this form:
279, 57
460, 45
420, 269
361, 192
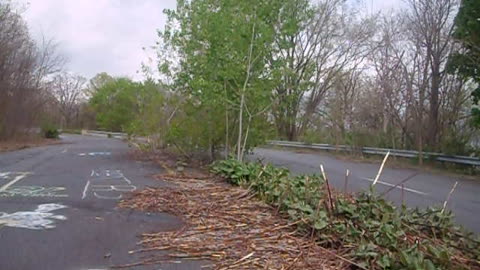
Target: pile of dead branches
227, 226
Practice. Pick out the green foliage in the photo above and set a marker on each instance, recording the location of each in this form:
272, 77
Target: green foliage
121, 104
49, 130
150, 109
467, 62
196, 127
115, 104
370, 230
223, 48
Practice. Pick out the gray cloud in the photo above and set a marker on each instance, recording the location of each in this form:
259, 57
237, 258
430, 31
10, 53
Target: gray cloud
108, 35
100, 35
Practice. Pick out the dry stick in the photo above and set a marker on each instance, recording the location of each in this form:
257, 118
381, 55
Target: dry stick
403, 194
241, 260
346, 181
401, 183
448, 197
342, 258
381, 168
294, 261
328, 187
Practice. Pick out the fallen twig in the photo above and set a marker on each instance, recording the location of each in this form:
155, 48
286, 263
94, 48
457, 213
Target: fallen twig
381, 169
448, 197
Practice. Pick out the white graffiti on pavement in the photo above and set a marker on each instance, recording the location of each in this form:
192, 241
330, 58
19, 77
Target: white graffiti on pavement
39, 219
14, 177
95, 154
107, 184
34, 191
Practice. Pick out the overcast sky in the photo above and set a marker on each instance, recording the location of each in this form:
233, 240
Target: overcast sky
108, 35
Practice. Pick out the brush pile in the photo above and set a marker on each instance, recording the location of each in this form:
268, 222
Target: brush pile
226, 226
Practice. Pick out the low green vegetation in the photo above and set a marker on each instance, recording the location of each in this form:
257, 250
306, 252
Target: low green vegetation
50, 131
364, 228
72, 131
467, 62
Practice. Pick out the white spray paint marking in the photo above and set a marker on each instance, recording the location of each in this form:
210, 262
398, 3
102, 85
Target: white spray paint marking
92, 154
118, 197
127, 180
108, 184
121, 188
10, 175
17, 178
85, 190
399, 187
39, 219
34, 191
65, 150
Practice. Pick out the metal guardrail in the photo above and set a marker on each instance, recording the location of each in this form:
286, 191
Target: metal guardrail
118, 135
471, 161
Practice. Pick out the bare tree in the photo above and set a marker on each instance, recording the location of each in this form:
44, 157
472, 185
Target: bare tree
405, 98
332, 42
24, 67
69, 90
430, 24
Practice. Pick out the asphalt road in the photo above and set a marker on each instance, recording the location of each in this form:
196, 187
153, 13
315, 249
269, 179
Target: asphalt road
58, 207
424, 190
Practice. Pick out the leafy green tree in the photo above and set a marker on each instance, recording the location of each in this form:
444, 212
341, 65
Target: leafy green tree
115, 104
466, 62
155, 108
222, 48
97, 82
123, 105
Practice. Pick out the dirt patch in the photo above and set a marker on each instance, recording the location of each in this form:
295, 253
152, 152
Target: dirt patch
17, 144
227, 226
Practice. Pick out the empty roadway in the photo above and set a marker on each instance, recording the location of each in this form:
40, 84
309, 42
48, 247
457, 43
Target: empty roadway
58, 207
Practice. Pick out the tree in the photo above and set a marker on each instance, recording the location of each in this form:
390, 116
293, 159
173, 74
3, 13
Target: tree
115, 104
315, 44
97, 82
121, 104
24, 68
222, 48
466, 62
430, 25
69, 91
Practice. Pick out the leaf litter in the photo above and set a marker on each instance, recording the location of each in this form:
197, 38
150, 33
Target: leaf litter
227, 226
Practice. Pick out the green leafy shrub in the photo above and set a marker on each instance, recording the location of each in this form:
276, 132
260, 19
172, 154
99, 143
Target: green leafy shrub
368, 229
50, 131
